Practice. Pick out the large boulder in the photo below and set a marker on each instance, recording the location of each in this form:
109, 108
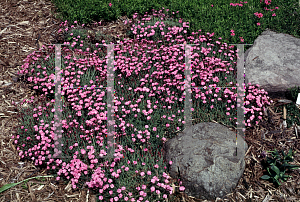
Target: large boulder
205, 159
273, 62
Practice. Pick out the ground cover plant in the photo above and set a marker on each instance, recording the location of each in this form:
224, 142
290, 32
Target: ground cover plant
152, 135
236, 22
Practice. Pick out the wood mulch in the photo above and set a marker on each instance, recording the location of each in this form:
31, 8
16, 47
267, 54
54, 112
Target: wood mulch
26, 25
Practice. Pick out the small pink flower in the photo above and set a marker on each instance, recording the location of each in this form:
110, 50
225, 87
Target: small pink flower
110, 4
83, 151
182, 188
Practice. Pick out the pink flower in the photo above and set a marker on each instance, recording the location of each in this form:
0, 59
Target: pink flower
110, 4
83, 151
259, 15
182, 188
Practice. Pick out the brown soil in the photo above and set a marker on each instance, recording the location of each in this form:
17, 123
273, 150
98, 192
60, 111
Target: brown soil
26, 26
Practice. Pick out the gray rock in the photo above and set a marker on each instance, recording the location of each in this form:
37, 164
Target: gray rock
273, 62
204, 158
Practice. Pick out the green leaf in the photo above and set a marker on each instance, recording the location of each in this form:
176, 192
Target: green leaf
290, 152
265, 177
8, 186
286, 176
282, 174
275, 168
293, 167
283, 154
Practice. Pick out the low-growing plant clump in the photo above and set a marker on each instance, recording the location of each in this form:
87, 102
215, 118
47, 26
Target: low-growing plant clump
149, 107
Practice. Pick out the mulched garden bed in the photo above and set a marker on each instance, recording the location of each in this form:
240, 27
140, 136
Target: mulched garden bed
26, 26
